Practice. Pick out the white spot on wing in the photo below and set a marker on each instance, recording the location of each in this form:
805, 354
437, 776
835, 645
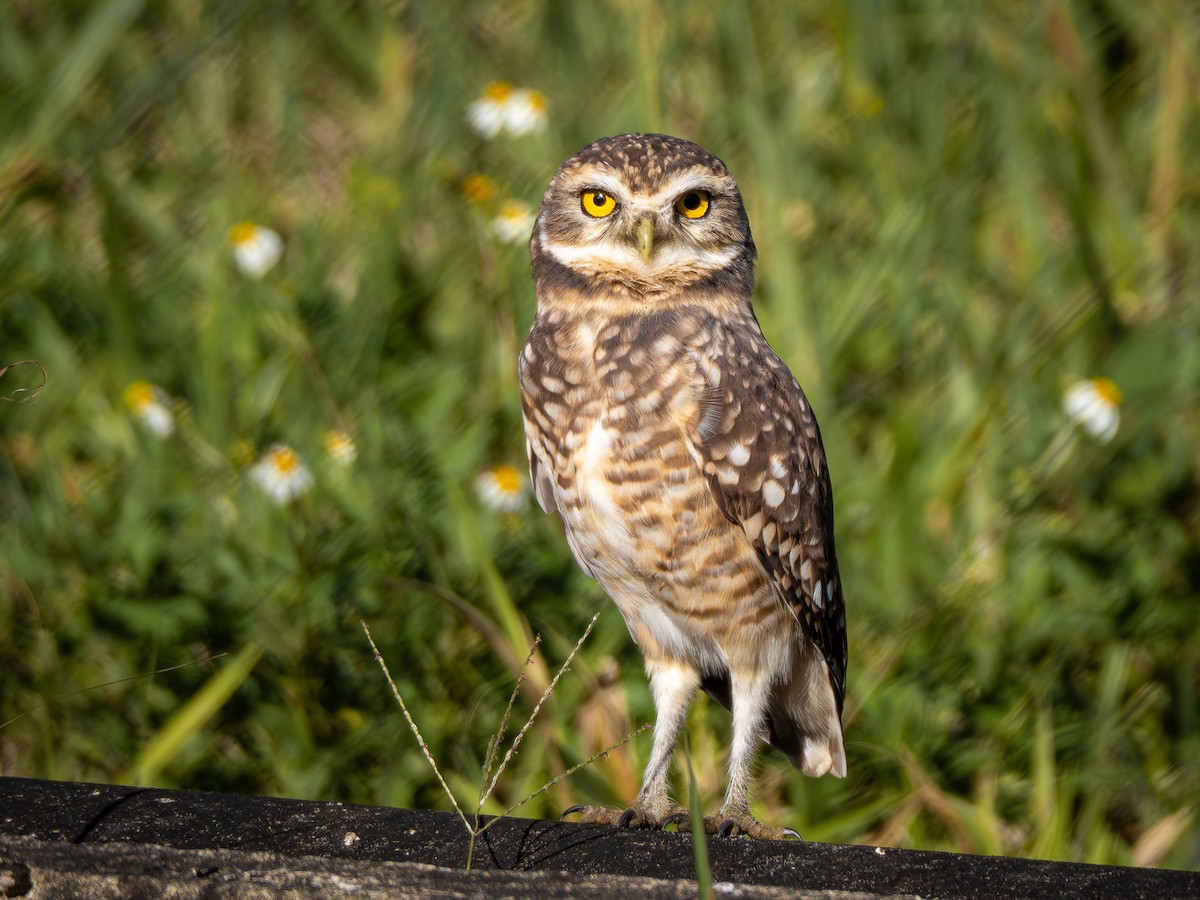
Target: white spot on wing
753, 525
727, 477
739, 454
768, 534
778, 469
772, 492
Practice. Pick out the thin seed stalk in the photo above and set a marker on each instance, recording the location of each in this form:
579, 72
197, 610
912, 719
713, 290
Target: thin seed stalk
413, 727
545, 696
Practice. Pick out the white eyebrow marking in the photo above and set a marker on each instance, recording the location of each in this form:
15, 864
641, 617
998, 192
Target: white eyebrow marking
689, 179
601, 182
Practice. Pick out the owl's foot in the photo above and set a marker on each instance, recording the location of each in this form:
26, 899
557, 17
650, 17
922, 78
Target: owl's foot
634, 817
734, 822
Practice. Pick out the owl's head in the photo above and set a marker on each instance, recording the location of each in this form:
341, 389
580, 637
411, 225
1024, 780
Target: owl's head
643, 217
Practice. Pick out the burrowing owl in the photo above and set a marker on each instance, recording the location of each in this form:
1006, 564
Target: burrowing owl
684, 459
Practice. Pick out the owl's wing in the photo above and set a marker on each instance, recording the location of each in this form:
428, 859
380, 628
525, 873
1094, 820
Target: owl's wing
538, 474
542, 411
757, 442
537, 429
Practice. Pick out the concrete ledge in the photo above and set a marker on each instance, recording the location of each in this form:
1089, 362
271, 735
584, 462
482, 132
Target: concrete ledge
60, 838
48, 869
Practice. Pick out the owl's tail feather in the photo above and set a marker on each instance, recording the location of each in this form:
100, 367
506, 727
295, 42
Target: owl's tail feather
803, 719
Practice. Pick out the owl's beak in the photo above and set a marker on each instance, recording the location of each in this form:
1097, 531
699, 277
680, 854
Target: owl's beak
645, 236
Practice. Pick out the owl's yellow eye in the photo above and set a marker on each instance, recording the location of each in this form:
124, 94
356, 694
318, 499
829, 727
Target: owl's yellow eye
693, 204
598, 204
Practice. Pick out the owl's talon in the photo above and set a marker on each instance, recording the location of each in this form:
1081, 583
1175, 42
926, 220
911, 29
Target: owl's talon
571, 810
677, 818
737, 822
634, 817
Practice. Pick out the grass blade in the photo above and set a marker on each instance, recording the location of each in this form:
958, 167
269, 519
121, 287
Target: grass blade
699, 839
192, 717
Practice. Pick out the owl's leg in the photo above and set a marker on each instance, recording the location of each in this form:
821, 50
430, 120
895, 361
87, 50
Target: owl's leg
750, 694
673, 686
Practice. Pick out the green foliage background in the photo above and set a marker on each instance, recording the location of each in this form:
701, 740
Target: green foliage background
960, 210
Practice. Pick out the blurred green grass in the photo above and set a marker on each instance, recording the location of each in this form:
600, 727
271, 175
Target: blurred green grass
960, 210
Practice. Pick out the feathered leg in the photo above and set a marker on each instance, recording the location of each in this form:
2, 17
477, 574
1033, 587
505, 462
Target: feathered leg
673, 686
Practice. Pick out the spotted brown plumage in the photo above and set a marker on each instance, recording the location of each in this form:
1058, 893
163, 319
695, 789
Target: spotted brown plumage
684, 459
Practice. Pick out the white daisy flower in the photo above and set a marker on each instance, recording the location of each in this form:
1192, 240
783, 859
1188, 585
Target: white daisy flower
526, 112
281, 474
340, 448
256, 248
1094, 403
488, 114
150, 404
506, 108
501, 488
513, 222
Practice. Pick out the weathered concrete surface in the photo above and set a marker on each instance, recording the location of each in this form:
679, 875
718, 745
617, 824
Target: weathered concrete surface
42, 870
291, 839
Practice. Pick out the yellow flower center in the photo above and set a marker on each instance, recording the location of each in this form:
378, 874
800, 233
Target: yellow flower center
338, 443
538, 101
498, 91
478, 188
139, 395
284, 460
508, 479
242, 233
1107, 391
512, 211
